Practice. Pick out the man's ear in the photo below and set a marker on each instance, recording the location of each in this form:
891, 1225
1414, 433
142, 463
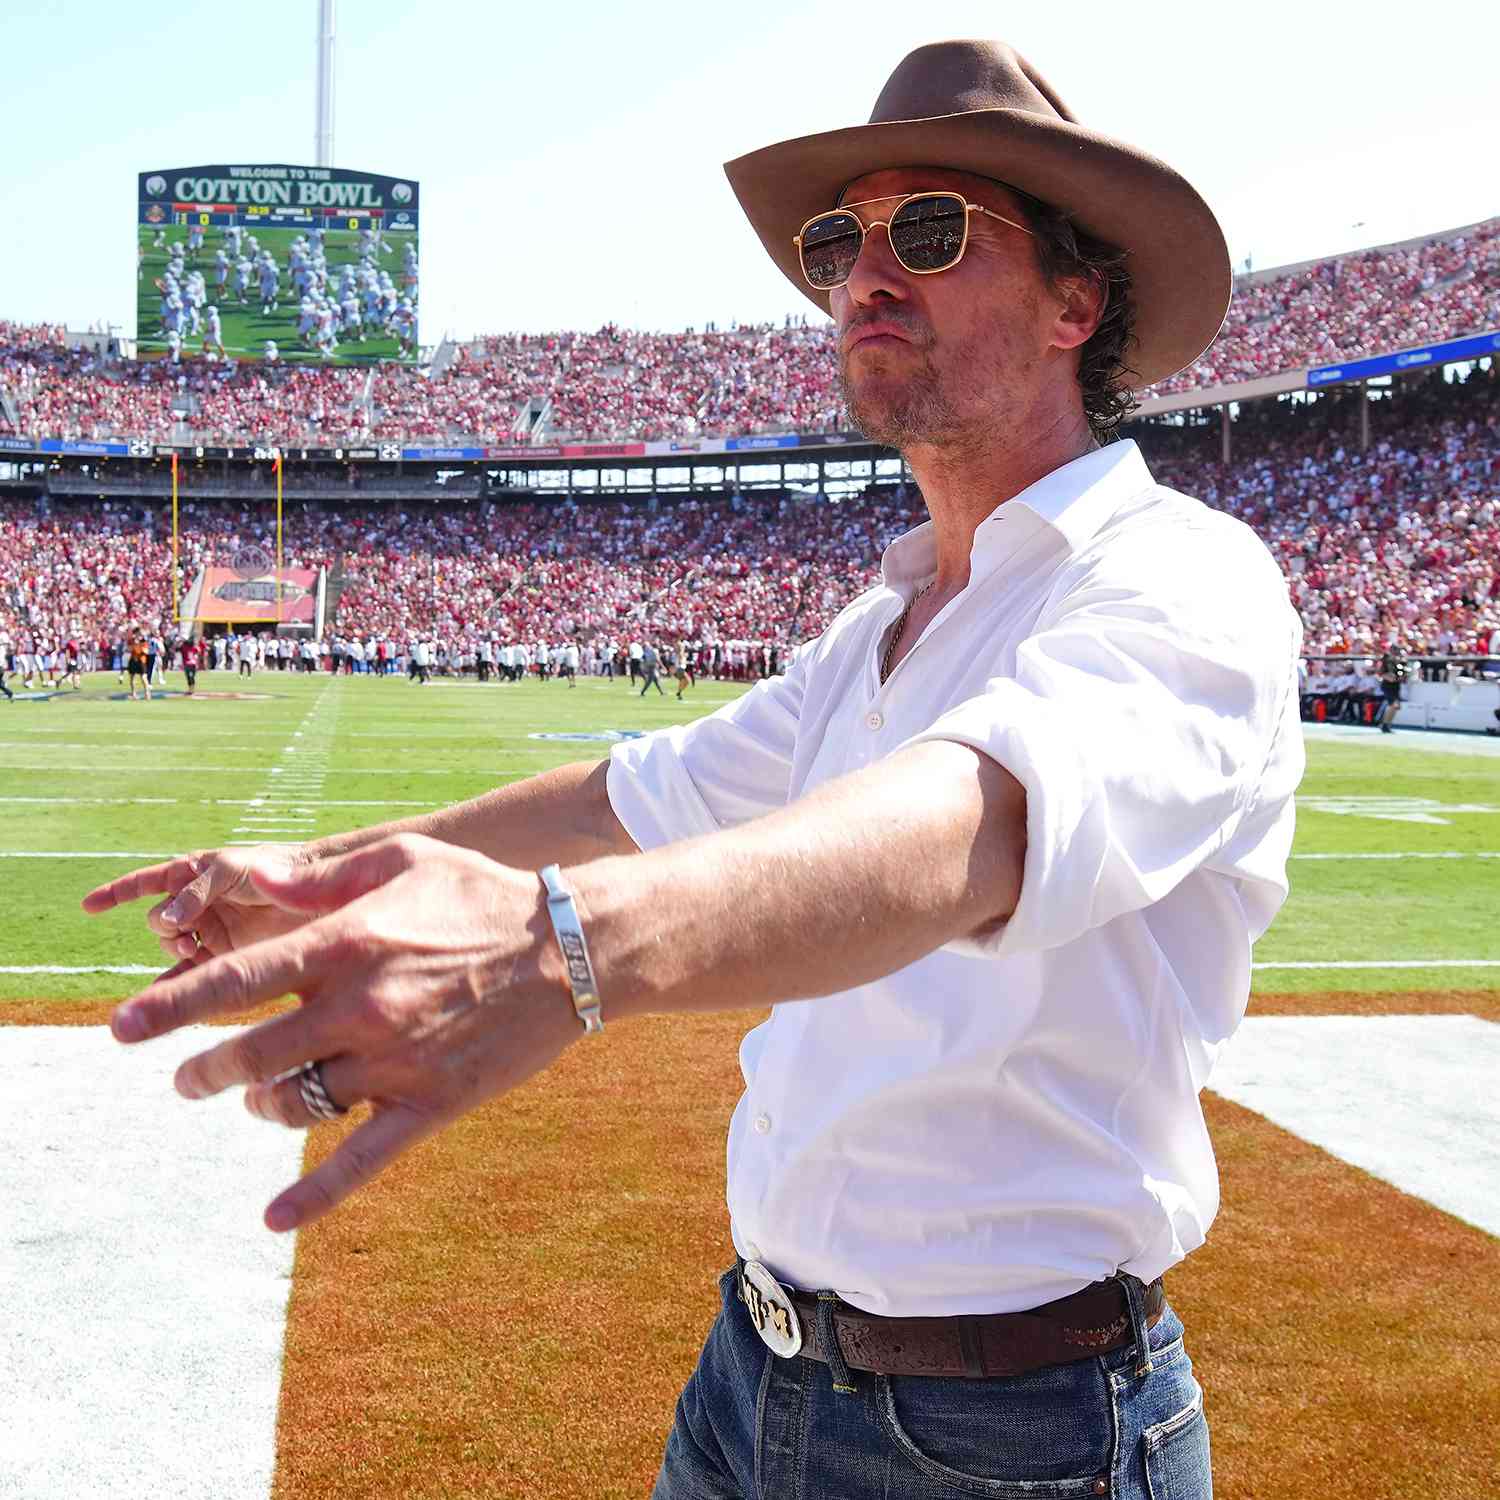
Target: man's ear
1083, 300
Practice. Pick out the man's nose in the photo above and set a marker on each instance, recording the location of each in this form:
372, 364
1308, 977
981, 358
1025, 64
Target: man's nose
876, 271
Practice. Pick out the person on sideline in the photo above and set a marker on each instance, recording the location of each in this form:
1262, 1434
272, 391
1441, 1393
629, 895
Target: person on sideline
995, 847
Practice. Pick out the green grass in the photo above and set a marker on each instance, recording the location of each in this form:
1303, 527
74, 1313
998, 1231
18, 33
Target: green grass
389, 742
245, 330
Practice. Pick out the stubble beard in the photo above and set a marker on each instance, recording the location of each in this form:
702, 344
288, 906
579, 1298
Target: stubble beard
900, 411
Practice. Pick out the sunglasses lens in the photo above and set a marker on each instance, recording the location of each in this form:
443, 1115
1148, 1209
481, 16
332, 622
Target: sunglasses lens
830, 246
927, 234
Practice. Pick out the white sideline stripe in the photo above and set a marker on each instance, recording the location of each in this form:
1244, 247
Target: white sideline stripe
1387, 963
266, 801
102, 769
132, 1221
81, 854
82, 969
1423, 854
1407, 1098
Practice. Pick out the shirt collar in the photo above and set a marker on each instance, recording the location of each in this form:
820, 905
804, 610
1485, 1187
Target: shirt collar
1075, 501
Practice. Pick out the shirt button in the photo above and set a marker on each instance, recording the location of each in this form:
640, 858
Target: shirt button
762, 1124
874, 720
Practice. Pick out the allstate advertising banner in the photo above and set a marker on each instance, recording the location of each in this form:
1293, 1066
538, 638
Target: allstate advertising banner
1475, 347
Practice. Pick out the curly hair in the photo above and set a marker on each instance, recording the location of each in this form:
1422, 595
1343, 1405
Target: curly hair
1063, 251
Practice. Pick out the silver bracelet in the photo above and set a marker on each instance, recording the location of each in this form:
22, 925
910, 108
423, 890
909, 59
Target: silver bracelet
575, 951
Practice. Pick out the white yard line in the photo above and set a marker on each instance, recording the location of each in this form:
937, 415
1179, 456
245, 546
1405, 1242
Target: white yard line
1423, 854
207, 802
79, 969
1387, 963
96, 769
101, 770
82, 854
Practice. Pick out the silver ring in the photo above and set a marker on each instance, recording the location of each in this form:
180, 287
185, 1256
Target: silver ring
315, 1094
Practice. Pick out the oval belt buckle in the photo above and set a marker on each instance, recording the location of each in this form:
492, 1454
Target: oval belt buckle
771, 1310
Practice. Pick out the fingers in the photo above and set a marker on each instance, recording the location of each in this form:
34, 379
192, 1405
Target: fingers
324, 885
225, 873
280, 1100
231, 983
153, 880
260, 1053
362, 1156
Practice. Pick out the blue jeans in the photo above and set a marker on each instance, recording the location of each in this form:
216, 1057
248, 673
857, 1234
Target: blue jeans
753, 1426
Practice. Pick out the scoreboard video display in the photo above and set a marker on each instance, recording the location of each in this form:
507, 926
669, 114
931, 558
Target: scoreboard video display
277, 263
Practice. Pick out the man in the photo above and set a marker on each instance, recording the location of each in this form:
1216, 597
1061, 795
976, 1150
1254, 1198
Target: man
1342, 686
137, 666
648, 665
190, 651
1365, 699
995, 847
1393, 671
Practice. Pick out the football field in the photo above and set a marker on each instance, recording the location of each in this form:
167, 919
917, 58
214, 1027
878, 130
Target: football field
512, 1308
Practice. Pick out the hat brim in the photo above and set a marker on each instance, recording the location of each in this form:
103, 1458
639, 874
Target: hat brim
1178, 261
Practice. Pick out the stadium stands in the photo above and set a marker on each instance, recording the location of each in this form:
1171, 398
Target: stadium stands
1400, 541
617, 384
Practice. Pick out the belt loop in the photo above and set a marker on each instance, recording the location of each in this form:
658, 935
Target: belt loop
1135, 1305
828, 1339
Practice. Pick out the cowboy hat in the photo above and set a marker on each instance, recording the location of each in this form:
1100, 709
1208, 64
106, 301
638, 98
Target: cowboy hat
978, 106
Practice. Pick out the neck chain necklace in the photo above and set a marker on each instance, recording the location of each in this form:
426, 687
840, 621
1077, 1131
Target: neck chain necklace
899, 631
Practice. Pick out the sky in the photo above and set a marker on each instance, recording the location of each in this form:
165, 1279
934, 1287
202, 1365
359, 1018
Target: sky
570, 156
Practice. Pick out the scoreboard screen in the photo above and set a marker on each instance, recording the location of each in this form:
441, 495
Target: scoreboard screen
277, 263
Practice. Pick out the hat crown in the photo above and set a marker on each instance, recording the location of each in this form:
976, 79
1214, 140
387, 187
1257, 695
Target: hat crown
958, 77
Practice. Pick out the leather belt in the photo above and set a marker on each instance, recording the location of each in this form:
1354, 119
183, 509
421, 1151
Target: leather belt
1091, 1322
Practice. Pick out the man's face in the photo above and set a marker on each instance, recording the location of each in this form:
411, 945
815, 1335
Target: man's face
929, 359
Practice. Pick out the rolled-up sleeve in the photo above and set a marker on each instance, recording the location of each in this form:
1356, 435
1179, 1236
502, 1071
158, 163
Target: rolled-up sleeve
1139, 719
715, 773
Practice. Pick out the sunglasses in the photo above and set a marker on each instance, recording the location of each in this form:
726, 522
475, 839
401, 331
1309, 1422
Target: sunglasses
928, 233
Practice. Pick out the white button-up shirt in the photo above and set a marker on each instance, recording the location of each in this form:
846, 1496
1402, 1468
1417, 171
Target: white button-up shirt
1008, 1119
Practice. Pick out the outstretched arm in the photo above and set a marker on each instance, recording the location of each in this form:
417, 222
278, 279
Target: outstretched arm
431, 980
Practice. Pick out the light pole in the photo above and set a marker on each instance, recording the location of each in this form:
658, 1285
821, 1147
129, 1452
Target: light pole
324, 141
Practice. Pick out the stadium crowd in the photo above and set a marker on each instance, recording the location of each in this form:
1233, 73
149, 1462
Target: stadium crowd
1398, 544
616, 384
1350, 305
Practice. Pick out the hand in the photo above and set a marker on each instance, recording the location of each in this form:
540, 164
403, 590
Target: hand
210, 905
430, 982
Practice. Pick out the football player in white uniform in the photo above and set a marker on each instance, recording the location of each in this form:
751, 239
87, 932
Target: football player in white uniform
352, 324
213, 334
307, 319
270, 285
403, 323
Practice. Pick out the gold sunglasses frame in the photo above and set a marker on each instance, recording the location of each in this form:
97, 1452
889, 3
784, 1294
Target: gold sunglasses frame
864, 230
